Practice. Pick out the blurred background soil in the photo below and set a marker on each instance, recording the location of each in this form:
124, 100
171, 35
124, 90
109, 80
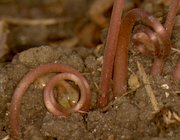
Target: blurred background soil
68, 31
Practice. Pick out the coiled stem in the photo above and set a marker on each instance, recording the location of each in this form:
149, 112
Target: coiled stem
121, 59
68, 74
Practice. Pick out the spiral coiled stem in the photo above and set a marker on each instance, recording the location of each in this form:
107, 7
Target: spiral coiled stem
67, 73
121, 58
148, 43
152, 40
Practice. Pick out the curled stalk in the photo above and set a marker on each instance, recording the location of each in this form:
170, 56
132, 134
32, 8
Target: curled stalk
51, 103
121, 59
145, 38
68, 73
159, 46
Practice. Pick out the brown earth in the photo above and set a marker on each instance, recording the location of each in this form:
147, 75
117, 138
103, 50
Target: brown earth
131, 117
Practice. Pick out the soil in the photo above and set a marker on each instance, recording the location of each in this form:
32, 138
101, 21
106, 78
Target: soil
130, 117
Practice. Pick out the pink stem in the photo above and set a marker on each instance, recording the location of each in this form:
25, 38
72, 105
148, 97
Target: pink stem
171, 16
121, 59
55, 108
109, 53
27, 80
176, 72
158, 64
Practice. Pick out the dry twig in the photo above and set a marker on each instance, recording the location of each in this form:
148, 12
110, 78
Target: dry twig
148, 87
